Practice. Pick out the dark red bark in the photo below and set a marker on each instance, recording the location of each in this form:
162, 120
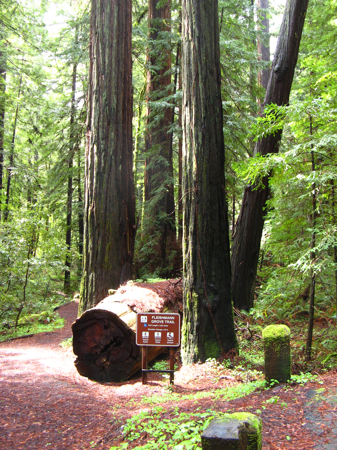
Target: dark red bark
249, 226
208, 327
109, 193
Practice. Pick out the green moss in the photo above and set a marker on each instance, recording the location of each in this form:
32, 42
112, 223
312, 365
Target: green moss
254, 429
212, 349
273, 332
276, 340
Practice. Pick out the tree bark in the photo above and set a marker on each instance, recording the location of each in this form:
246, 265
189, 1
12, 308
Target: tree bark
263, 48
11, 156
208, 327
312, 254
158, 183
67, 286
249, 226
109, 193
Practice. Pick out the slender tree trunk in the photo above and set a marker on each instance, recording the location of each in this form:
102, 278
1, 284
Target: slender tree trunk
158, 182
312, 257
249, 227
109, 231
208, 326
80, 206
2, 118
180, 179
11, 156
263, 48
67, 287
332, 182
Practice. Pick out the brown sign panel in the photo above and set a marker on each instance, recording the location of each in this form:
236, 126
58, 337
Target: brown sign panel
158, 329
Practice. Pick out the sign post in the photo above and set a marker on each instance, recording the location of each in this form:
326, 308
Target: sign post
158, 330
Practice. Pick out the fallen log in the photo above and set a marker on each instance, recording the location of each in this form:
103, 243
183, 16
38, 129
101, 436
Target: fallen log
104, 337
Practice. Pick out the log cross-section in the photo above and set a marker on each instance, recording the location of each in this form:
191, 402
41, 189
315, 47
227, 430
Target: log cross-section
104, 337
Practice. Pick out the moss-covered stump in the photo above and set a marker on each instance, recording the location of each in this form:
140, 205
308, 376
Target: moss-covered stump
238, 431
276, 339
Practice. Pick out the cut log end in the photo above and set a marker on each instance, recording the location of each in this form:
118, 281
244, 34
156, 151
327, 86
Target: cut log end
104, 345
104, 338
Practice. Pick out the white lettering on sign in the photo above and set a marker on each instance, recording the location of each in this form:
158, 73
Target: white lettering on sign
163, 317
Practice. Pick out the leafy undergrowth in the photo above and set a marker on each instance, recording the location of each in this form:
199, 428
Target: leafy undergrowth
32, 324
225, 380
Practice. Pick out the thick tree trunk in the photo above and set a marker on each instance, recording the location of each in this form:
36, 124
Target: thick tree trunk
67, 286
158, 181
109, 194
208, 328
249, 226
104, 336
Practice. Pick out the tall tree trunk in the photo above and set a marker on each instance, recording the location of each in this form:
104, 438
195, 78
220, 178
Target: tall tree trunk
80, 207
11, 156
158, 182
208, 327
249, 227
109, 218
67, 287
312, 256
333, 204
263, 48
2, 117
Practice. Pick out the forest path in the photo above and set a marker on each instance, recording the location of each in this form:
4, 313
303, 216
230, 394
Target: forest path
44, 403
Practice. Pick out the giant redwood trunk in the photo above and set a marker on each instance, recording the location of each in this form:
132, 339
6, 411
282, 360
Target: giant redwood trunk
158, 183
208, 327
249, 226
109, 196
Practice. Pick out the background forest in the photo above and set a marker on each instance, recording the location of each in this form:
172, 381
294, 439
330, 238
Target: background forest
44, 66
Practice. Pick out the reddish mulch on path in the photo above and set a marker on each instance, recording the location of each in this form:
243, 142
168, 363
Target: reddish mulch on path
44, 403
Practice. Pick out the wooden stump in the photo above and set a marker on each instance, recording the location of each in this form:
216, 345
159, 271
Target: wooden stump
276, 339
104, 338
238, 431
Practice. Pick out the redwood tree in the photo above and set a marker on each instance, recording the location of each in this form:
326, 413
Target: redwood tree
208, 327
263, 48
109, 193
249, 226
158, 185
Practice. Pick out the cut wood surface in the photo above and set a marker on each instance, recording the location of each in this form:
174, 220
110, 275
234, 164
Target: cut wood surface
104, 337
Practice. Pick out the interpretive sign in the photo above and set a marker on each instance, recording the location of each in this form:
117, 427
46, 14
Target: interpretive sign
158, 329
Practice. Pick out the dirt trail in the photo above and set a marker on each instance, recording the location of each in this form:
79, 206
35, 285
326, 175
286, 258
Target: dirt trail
44, 403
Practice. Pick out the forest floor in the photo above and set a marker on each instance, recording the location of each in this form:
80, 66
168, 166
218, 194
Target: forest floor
44, 403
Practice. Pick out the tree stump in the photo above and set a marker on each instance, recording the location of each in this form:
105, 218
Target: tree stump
276, 339
238, 431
